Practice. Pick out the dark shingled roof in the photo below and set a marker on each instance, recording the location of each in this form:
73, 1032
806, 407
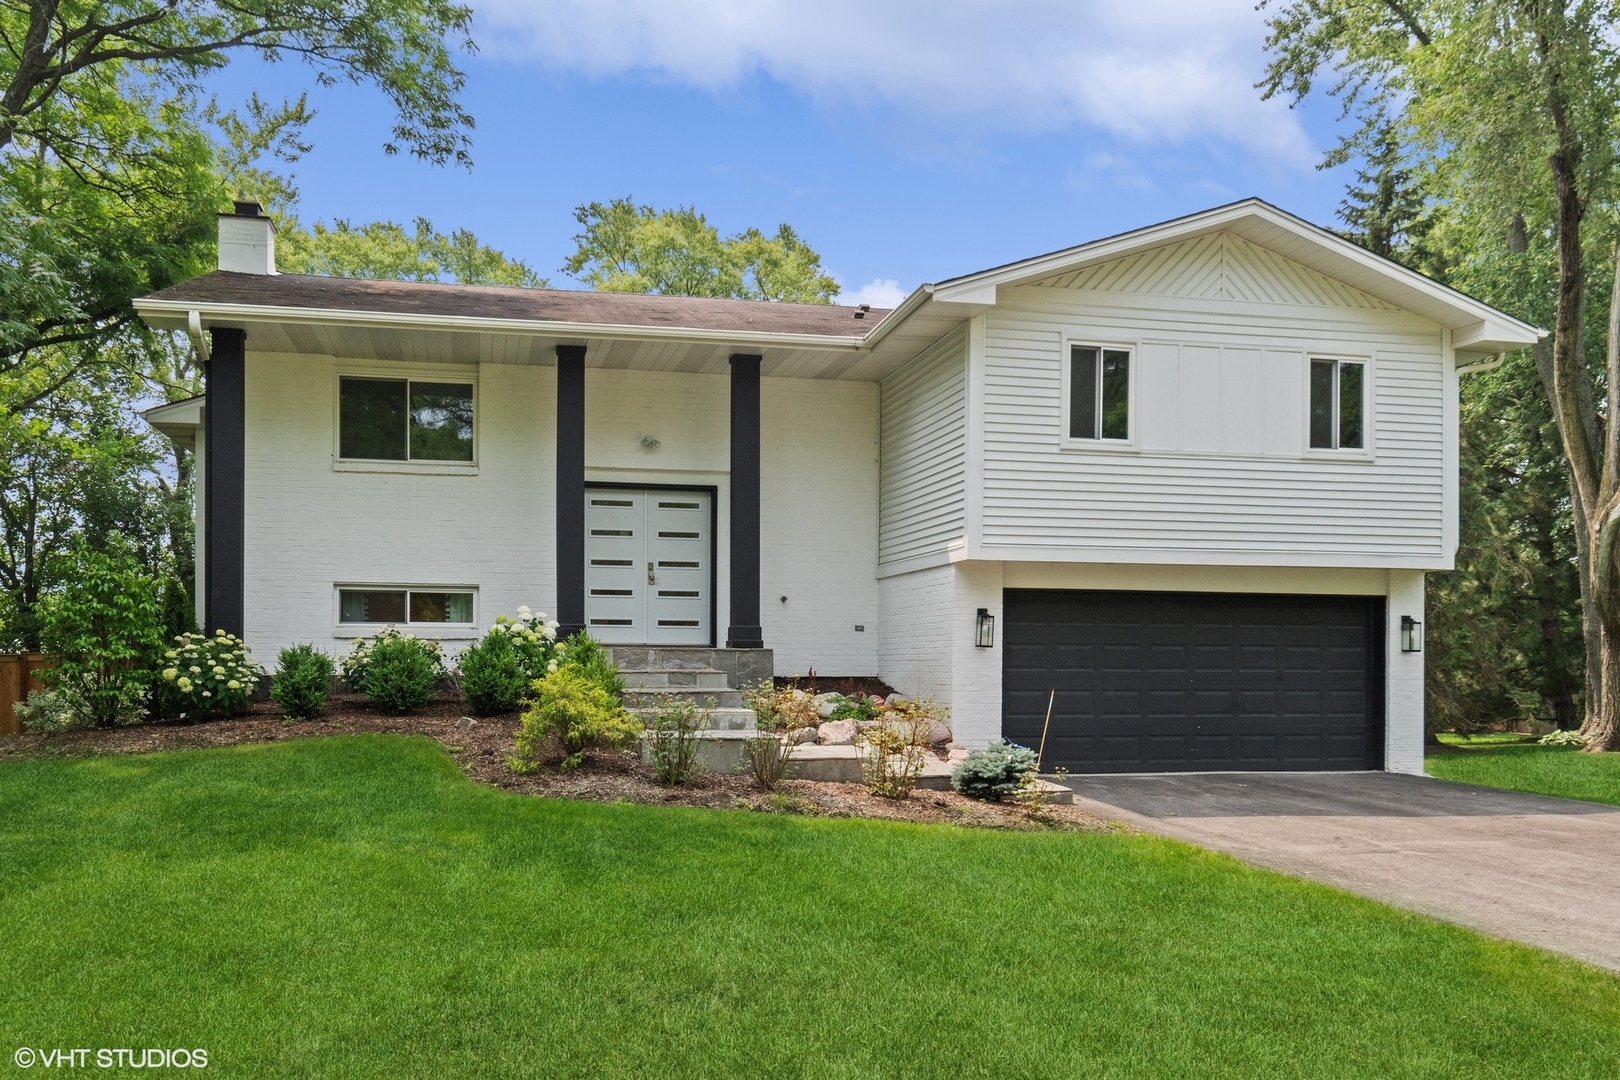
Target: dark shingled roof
545, 305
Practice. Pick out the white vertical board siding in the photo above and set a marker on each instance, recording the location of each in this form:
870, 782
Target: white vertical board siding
310, 526
818, 525
923, 456
1218, 469
1403, 675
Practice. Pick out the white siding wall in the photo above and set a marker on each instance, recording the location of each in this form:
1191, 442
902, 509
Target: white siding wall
1403, 709
924, 457
310, 526
1218, 470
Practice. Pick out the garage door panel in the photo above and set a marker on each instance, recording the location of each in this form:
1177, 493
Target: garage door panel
1176, 681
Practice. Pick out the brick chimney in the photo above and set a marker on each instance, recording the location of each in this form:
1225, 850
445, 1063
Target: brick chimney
247, 240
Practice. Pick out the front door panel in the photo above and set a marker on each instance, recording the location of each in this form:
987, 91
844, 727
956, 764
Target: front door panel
648, 566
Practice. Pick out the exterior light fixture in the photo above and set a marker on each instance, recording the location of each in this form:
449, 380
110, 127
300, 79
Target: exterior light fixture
985, 629
1411, 634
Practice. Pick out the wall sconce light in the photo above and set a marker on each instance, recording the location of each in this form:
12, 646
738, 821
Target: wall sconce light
985, 629
1411, 634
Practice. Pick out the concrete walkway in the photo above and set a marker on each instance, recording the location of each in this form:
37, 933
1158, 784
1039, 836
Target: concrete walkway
1530, 868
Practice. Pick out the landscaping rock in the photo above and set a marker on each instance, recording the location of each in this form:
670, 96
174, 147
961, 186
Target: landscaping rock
802, 735
957, 755
891, 699
867, 725
836, 733
938, 733
828, 707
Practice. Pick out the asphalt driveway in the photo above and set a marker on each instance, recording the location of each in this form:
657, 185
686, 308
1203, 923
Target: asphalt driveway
1539, 870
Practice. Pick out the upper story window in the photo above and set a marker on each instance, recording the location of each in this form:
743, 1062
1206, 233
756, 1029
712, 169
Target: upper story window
1338, 404
1099, 392
404, 420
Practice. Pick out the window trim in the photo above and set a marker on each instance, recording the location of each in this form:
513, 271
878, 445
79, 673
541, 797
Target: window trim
1071, 341
440, 373
436, 630
1368, 428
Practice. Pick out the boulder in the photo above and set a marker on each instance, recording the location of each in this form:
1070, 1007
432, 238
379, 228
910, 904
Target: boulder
892, 698
802, 735
867, 725
957, 755
836, 733
938, 733
828, 707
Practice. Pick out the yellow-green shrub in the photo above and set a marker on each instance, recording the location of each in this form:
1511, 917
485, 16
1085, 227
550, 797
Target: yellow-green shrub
579, 712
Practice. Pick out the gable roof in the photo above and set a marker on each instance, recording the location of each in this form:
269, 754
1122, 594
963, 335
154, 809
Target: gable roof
1475, 326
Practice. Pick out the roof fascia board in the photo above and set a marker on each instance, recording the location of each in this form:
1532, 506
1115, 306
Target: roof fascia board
175, 312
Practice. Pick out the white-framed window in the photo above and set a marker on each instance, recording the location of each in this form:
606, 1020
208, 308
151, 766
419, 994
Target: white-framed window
1338, 405
1097, 393
407, 605
390, 419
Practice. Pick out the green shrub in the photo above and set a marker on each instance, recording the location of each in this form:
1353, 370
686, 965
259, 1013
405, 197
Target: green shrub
534, 638
672, 738
766, 756
780, 708
105, 630
205, 677
994, 772
402, 674
491, 673
585, 654
46, 711
302, 682
856, 709
579, 712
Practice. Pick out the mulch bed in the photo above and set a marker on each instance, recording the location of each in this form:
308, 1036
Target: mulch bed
480, 745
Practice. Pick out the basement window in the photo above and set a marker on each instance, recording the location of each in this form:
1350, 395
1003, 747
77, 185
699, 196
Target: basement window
404, 420
1338, 404
406, 607
1099, 393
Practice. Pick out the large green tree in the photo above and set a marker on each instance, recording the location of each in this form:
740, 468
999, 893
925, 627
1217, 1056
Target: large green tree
1517, 101
623, 247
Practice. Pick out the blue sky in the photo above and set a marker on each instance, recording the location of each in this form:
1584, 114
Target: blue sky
907, 141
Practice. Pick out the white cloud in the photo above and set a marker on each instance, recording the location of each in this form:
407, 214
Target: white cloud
879, 292
1148, 70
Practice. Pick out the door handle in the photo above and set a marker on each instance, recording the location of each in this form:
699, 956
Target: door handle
650, 579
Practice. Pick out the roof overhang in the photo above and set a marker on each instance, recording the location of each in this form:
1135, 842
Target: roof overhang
1475, 327
179, 420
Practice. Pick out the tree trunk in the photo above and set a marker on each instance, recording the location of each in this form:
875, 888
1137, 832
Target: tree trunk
1601, 735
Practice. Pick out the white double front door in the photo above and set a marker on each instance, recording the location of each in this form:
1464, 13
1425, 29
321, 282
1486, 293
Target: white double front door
648, 571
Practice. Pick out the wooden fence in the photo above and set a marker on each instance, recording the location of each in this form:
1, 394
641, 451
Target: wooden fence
19, 674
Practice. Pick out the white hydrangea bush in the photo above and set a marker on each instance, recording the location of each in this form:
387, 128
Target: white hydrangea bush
534, 638
207, 676
352, 668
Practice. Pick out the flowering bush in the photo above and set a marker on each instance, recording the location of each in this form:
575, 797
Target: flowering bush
352, 668
397, 672
497, 673
207, 676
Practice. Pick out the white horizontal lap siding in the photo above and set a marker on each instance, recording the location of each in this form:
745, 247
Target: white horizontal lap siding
923, 471
1219, 462
310, 526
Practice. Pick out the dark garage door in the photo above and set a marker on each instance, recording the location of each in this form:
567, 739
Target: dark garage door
1180, 682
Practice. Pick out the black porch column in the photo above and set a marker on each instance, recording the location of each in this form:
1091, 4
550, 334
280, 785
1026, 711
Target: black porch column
224, 417
745, 632
570, 489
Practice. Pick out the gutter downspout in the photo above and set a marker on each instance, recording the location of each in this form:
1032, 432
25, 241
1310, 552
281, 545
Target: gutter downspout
199, 340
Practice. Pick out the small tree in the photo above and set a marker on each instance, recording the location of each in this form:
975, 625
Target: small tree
105, 629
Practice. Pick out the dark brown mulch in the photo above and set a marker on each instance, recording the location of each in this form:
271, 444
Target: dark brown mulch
480, 746
848, 685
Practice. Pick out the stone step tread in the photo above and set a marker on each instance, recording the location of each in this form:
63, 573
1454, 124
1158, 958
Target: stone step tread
647, 697
694, 678
722, 722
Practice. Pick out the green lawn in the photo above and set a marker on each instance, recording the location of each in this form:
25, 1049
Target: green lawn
1546, 770
354, 906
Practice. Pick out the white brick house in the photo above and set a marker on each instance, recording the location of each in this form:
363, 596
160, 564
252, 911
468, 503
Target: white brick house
1190, 478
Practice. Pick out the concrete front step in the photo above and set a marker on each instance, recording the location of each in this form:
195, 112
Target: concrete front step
742, 667
725, 720
703, 698
697, 678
